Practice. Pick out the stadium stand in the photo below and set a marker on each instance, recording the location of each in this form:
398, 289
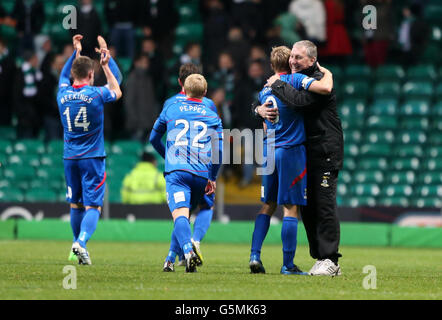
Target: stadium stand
391, 116
396, 157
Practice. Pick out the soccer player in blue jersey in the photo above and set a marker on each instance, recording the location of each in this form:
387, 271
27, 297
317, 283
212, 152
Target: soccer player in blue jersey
204, 216
193, 157
287, 185
81, 112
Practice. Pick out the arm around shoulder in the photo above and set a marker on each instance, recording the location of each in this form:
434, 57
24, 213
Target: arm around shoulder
325, 85
293, 98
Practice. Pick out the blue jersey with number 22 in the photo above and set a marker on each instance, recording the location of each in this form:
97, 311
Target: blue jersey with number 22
192, 128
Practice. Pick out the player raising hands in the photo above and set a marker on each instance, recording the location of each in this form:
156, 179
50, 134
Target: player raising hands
81, 111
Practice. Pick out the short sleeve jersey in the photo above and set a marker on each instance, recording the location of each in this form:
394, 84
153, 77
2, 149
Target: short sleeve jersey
81, 111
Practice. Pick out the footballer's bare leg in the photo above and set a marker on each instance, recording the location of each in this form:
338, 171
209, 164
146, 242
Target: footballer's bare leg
291, 210
180, 212
268, 208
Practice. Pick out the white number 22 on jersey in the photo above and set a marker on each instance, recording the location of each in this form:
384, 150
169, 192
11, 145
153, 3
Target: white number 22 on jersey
196, 124
82, 114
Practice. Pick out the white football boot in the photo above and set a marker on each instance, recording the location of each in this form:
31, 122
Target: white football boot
315, 266
325, 267
81, 253
168, 267
197, 249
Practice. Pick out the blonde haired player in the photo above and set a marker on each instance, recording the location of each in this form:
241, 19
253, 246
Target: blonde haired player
287, 184
194, 136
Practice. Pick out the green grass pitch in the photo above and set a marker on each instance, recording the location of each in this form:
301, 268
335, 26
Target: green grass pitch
34, 270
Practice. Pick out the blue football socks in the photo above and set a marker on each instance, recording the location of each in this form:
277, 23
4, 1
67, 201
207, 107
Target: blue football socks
289, 233
183, 233
88, 226
174, 249
77, 216
262, 225
202, 224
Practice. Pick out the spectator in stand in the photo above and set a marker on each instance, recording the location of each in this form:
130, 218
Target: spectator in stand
2, 15
144, 184
114, 114
311, 14
223, 79
246, 92
239, 47
7, 72
29, 17
26, 93
139, 100
5, 19
192, 54
123, 17
290, 28
157, 66
248, 15
43, 47
163, 20
338, 44
45, 52
88, 25
257, 52
413, 34
68, 50
216, 27
47, 98
275, 36
271, 10
376, 42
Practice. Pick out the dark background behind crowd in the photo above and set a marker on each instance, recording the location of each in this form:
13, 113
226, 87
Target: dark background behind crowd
387, 80
231, 40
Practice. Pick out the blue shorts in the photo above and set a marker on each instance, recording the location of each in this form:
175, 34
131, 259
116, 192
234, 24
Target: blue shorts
288, 182
85, 180
184, 190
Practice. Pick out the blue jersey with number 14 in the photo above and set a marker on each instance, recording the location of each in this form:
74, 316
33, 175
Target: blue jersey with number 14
81, 110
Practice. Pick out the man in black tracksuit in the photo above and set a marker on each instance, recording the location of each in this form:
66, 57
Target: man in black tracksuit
324, 145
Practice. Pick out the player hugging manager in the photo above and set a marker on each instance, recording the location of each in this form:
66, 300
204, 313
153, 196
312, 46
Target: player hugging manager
325, 150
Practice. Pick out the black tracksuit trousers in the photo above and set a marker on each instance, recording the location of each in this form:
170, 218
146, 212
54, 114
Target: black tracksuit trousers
320, 215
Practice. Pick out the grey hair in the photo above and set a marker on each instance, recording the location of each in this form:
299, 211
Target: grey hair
310, 48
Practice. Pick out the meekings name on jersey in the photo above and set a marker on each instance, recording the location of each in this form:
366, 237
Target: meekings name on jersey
76, 96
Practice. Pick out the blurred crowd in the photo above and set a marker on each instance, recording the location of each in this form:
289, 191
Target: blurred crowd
233, 53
